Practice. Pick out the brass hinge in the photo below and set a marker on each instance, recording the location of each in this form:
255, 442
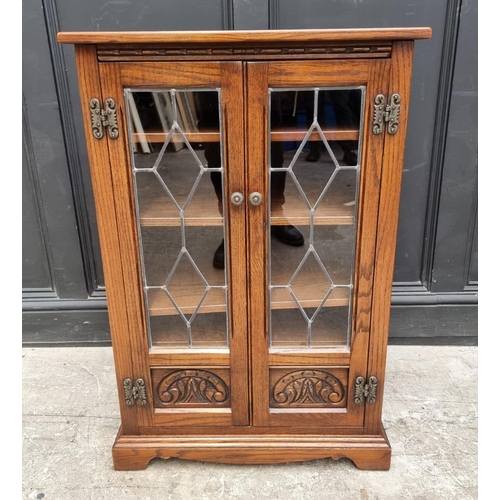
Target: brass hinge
134, 392
103, 117
365, 391
383, 113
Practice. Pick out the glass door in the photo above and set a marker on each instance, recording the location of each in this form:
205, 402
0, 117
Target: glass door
180, 165
318, 177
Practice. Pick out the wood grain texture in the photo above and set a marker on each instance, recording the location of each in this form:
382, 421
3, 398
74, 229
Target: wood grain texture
305, 285
392, 171
191, 387
233, 152
367, 452
256, 157
235, 37
261, 76
203, 211
192, 417
339, 357
163, 358
217, 402
323, 74
262, 52
330, 135
193, 75
127, 252
109, 234
251, 430
303, 387
192, 137
371, 164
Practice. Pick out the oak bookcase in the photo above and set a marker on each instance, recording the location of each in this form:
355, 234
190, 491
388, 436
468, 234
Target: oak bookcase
247, 190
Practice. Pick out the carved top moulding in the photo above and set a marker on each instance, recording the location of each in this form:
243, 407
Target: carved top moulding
275, 44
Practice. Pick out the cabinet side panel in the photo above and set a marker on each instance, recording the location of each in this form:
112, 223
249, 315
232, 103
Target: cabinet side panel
136, 344
88, 74
392, 170
366, 235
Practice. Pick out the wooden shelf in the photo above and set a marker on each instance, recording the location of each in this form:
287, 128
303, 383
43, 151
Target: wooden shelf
160, 304
192, 137
309, 297
155, 212
188, 294
297, 135
205, 212
289, 331
331, 212
293, 134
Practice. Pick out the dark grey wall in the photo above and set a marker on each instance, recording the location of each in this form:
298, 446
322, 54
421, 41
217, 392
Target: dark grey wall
435, 288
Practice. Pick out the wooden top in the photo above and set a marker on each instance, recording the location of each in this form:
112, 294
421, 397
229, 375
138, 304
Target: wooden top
243, 37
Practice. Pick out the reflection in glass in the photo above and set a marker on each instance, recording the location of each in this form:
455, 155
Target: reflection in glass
314, 179
177, 167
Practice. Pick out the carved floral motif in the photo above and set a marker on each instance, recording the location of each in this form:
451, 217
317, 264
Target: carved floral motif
192, 387
308, 388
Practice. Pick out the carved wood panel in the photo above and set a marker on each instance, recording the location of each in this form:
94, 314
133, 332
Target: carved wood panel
161, 53
308, 387
191, 387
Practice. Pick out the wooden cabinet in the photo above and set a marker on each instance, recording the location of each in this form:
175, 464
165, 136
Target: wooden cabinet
247, 190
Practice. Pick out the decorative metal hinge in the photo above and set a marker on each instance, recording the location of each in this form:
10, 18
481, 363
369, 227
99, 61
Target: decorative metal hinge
135, 392
365, 391
103, 117
389, 114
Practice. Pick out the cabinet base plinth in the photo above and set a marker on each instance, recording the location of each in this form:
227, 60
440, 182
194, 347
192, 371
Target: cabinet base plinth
366, 452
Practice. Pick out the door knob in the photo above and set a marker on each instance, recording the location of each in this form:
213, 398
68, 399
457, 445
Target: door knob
237, 198
255, 199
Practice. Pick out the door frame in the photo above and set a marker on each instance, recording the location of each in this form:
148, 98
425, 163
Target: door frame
261, 76
134, 356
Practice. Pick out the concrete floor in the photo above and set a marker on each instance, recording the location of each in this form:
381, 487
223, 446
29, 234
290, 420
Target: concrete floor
70, 418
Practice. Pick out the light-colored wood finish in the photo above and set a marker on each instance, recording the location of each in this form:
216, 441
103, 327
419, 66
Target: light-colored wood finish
121, 173
156, 75
257, 159
339, 357
192, 417
109, 234
234, 37
228, 77
205, 212
305, 286
282, 135
192, 137
160, 305
392, 171
187, 357
285, 75
233, 151
261, 396
366, 234
369, 73
367, 452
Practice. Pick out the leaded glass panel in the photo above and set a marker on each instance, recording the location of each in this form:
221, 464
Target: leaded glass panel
175, 137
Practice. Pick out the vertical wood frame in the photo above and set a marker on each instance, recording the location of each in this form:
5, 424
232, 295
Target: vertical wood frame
371, 167
109, 234
392, 171
260, 77
257, 105
234, 158
119, 159
227, 76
